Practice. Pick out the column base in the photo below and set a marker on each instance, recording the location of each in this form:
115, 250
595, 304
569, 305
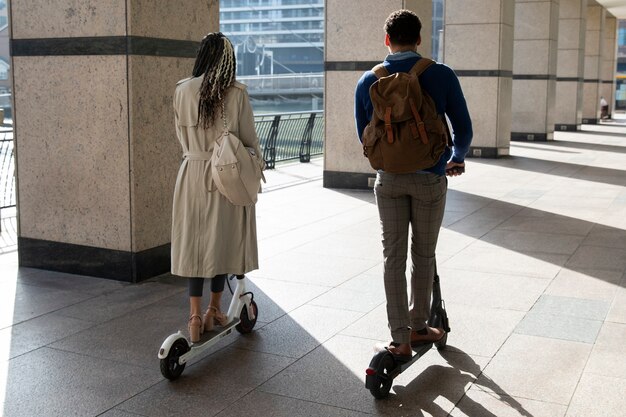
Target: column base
349, 180
92, 261
562, 127
530, 137
590, 121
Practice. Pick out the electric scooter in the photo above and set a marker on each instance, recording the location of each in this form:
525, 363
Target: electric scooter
384, 367
177, 350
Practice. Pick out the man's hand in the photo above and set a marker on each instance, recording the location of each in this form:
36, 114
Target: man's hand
454, 169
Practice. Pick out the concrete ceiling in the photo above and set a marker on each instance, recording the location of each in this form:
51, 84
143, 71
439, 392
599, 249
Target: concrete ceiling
616, 7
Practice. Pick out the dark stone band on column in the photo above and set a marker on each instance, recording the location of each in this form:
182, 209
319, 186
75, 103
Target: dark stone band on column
591, 80
526, 137
608, 81
540, 77
350, 65
570, 79
348, 180
92, 261
104, 45
590, 121
562, 127
484, 73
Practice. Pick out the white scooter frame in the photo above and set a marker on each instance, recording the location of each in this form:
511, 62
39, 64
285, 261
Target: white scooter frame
177, 350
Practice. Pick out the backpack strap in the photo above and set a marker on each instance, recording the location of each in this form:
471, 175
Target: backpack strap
420, 66
380, 71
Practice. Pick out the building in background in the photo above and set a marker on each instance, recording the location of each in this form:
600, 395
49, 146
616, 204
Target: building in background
280, 51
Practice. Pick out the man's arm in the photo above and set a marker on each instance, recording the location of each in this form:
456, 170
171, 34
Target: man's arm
362, 104
458, 114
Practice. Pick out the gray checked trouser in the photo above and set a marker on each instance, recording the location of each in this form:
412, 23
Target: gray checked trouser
416, 200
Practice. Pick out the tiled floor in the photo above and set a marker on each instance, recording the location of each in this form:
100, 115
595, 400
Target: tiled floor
532, 257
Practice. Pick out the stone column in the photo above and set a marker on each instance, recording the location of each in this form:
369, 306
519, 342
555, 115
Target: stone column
478, 45
570, 65
355, 42
97, 154
593, 62
609, 58
534, 69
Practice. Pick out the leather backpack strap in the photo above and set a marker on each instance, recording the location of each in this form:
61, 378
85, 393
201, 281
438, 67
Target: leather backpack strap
420, 66
380, 71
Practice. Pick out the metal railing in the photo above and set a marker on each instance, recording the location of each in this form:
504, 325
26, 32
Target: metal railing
7, 170
287, 136
284, 83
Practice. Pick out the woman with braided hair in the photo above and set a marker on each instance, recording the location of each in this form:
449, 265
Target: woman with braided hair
210, 237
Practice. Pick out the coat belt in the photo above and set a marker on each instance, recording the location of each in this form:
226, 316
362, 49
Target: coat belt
198, 156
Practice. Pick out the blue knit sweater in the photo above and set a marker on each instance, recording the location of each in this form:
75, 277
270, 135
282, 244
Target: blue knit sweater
442, 84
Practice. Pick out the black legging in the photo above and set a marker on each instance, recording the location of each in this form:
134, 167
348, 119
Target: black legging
196, 285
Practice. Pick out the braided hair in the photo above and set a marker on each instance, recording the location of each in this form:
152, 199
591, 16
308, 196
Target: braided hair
216, 60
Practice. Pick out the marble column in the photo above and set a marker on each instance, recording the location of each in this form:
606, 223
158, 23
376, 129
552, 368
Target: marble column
593, 62
534, 69
97, 154
570, 65
609, 58
355, 42
478, 45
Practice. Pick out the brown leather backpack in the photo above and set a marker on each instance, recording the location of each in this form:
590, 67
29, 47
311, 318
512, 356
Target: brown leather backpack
405, 134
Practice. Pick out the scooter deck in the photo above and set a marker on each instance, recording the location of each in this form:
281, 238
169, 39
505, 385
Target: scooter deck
216, 333
418, 352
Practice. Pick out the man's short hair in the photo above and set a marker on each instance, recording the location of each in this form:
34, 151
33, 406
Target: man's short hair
403, 27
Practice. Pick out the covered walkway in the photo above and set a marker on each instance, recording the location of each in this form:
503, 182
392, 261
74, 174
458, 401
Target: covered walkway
532, 257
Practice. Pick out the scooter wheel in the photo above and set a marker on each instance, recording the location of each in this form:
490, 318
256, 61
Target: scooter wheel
170, 368
381, 381
246, 324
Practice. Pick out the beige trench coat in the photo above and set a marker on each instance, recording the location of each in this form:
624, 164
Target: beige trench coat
210, 236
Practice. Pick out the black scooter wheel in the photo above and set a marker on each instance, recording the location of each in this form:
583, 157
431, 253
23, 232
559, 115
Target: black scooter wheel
246, 324
381, 382
170, 368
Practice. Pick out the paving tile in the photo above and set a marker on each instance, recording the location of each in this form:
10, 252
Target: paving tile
531, 220
372, 326
451, 242
117, 303
38, 332
300, 332
48, 382
19, 302
598, 257
119, 413
346, 299
533, 241
494, 259
72, 282
598, 395
328, 270
602, 235
431, 386
559, 327
536, 368
500, 291
209, 386
617, 312
484, 219
370, 282
571, 307
263, 404
477, 402
592, 284
609, 351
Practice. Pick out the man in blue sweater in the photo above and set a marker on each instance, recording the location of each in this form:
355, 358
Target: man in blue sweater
416, 199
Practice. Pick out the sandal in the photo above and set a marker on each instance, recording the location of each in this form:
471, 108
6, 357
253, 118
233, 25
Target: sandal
195, 328
212, 317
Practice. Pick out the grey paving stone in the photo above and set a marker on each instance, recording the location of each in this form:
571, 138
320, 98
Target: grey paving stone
609, 351
533, 241
536, 368
35, 333
300, 332
602, 235
571, 307
21, 302
71, 282
559, 327
335, 245
477, 402
532, 220
598, 257
119, 413
209, 386
598, 395
592, 284
119, 302
263, 404
346, 299
49, 382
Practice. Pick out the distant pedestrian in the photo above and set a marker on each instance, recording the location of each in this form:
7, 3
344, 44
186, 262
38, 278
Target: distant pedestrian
604, 109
